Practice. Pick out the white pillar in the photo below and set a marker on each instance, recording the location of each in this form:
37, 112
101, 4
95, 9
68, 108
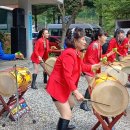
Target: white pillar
26, 5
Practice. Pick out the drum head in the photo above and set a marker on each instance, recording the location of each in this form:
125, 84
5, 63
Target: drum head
7, 84
126, 69
118, 74
126, 66
113, 94
49, 64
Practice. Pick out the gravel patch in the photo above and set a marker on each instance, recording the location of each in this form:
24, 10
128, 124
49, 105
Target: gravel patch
46, 114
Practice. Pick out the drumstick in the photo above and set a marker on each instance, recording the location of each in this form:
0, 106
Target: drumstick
119, 53
43, 66
96, 102
120, 61
42, 63
113, 68
123, 61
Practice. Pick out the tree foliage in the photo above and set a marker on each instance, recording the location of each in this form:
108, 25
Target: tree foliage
111, 11
89, 3
69, 8
107, 10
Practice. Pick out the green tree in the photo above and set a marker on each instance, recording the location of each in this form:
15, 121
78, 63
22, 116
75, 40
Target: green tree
110, 11
40, 12
87, 15
69, 8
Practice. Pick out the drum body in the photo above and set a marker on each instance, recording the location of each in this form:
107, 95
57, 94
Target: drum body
49, 64
108, 91
8, 80
126, 63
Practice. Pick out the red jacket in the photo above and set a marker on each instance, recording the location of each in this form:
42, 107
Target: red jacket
112, 44
65, 76
93, 55
121, 48
40, 50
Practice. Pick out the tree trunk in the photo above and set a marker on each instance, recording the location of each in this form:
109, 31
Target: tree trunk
63, 37
54, 20
100, 17
100, 20
58, 19
73, 21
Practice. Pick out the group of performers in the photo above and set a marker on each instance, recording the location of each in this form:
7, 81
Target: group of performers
76, 59
63, 81
117, 49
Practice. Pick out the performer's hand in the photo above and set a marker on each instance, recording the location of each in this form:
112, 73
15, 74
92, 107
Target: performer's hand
96, 67
127, 46
78, 95
54, 48
40, 58
114, 50
19, 55
104, 60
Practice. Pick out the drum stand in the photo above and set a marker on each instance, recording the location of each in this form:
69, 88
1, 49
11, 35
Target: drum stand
14, 98
105, 122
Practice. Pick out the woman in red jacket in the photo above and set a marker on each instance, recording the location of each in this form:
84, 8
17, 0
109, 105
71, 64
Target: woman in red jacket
41, 51
93, 56
120, 42
128, 36
64, 78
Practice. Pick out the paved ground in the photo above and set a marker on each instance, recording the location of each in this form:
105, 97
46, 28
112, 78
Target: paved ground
44, 111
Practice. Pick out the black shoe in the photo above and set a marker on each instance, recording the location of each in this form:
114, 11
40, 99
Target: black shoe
84, 106
45, 77
45, 81
71, 127
33, 85
62, 124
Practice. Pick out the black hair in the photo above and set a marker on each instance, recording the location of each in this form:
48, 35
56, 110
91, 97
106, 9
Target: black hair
41, 32
128, 33
99, 33
68, 32
75, 33
117, 32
